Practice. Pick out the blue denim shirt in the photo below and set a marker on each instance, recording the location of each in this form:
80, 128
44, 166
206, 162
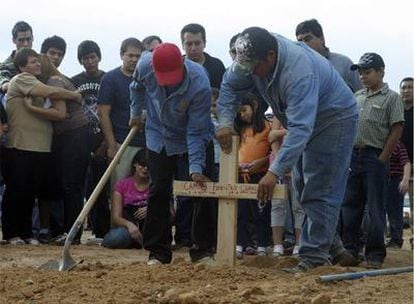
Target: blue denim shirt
305, 93
181, 122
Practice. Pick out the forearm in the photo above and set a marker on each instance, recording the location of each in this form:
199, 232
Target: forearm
107, 130
407, 172
60, 93
50, 113
391, 142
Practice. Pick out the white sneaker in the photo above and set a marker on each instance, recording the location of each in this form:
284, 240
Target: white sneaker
153, 262
239, 252
16, 241
32, 241
295, 250
278, 250
261, 251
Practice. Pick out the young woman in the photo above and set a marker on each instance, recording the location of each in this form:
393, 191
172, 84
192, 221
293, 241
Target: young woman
129, 206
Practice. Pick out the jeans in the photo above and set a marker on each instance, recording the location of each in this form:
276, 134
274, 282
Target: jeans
157, 229
119, 238
366, 189
394, 206
320, 179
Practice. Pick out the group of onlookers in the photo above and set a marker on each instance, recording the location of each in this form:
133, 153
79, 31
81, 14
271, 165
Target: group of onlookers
340, 139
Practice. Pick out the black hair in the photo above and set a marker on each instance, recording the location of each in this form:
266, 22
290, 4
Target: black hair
21, 57
147, 40
260, 41
193, 28
139, 158
309, 26
21, 26
53, 42
133, 42
233, 41
258, 120
87, 47
406, 79
215, 92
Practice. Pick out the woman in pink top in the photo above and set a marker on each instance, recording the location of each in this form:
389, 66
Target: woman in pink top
129, 206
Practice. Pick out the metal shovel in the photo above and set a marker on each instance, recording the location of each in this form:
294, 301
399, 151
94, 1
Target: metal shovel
67, 262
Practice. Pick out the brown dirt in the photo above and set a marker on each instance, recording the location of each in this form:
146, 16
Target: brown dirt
121, 276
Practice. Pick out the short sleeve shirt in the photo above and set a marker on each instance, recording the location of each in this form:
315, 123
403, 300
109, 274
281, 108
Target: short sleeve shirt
130, 194
378, 112
27, 130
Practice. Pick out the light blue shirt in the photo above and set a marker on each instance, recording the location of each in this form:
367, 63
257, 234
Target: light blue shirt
305, 92
179, 123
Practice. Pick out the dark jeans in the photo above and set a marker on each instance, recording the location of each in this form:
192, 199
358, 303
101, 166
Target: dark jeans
367, 184
394, 207
73, 151
157, 229
24, 175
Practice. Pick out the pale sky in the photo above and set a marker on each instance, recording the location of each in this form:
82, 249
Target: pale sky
351, 27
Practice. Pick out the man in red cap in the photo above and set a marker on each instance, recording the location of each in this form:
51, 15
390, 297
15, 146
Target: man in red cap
177, 96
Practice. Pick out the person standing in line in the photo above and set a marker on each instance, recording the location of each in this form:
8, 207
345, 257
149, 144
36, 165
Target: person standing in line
177, 97
318, 109
55, 48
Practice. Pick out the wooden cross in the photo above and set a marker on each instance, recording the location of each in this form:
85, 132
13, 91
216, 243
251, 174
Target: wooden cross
227, 190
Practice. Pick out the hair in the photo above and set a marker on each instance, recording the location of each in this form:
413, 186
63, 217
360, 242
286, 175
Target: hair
260, 42
193, 28
21, 57
215, 92
48, 69
406, 79
147, 40
133, 42
53, 42
309, 26
21, 26
233, 40
258, 120
139, 158
87, 47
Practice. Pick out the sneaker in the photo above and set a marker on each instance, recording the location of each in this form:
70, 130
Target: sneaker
239, 254
261, 251
16, 241
61, 239
154, 262
393, 245
295, 251
300, 268
374, 265
32, 241
250, 250
44, 238
278, 250
94, 241
345, 259
207, 260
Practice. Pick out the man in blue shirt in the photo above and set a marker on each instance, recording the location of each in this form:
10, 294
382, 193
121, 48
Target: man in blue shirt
177, 96
319, 111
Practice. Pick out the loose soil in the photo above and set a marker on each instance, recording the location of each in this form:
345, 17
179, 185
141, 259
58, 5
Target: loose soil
122, 276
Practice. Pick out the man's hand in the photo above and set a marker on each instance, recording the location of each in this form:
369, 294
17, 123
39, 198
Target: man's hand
224, 137
5, 87
141, 213
79, 98
200, 179
266, 186
134, 232
136, 122
111, 150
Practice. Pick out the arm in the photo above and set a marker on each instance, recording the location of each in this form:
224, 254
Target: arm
56, 113
52, 92
391, 142
137, 96
406, 178
275, 135
118, 220
112, 146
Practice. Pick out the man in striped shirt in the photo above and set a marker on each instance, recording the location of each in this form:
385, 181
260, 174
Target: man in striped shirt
381, 121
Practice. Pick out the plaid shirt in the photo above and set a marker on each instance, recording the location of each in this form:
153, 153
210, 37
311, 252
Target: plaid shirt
7, 69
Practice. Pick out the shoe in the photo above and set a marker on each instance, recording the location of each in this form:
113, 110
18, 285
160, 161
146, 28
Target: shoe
94, 241
32, 241
44, 238
261, 253
250, 250
239, 254
61, 239
16, 241
393, 245
295, 251
345, 259
300, 268
374, 264
180, 245
207, 260
278, 250
154, 262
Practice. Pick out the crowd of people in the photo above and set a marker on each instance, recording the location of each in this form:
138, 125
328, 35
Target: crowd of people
338, 137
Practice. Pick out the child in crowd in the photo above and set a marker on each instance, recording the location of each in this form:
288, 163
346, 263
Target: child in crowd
398, 177
279, 207
253, 130
129, 206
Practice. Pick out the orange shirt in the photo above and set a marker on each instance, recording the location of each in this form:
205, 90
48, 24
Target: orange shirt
254, 146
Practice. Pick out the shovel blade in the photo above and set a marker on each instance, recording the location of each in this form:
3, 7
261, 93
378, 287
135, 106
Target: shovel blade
65, 264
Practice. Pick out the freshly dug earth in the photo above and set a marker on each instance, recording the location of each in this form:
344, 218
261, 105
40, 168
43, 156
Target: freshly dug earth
122, 276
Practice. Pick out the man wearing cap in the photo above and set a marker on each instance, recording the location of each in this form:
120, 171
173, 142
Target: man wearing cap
380, 125
317, 107
177, 96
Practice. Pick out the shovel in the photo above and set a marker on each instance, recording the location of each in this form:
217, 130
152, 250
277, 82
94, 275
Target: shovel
67, 262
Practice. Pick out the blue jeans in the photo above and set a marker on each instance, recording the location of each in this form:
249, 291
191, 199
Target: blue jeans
119, 238
366, 189
394, 206
320, 180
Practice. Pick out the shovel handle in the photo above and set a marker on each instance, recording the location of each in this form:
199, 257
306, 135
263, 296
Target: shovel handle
101, 184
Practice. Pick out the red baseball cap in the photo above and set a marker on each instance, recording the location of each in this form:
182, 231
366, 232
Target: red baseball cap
168, 64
